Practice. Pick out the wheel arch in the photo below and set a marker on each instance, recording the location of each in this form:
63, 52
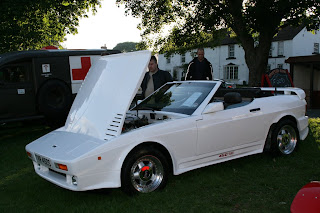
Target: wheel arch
267, 145
155, 145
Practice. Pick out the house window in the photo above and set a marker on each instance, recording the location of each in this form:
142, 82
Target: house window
280, 66
268, 67
183, 58
231, 51
168, 60
280, 48
270, 51
231, 72
316, 48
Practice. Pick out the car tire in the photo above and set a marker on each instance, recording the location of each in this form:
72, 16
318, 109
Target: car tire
285, 137
54, 100
144, 171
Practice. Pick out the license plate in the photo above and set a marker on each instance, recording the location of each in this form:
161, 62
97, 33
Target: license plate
42, 160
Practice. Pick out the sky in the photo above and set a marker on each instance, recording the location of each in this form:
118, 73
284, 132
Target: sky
108, 27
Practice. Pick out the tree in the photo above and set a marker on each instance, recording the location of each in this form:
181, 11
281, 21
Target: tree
254, 22
29, 24
126, 46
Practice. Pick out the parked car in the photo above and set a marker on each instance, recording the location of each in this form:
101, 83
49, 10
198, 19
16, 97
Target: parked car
180, 127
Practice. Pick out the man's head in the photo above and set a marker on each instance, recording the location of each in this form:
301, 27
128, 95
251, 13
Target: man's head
153, 64
200, 54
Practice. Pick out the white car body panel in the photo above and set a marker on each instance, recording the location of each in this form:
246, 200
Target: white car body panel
93, 145
123, 75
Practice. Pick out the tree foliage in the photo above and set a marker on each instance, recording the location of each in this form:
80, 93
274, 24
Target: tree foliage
126, 46
195, 23
29, 24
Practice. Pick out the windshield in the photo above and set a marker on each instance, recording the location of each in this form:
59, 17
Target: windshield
182, 97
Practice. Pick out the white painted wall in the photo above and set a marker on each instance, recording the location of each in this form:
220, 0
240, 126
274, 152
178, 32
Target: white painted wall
275, 60
303, 42
217, 57
301, 45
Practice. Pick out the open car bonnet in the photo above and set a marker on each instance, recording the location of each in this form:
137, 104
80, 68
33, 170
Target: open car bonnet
101, 104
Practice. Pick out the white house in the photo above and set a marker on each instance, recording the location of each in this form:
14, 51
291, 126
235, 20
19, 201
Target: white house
228, 59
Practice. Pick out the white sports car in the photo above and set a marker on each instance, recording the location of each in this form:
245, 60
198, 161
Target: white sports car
180, 127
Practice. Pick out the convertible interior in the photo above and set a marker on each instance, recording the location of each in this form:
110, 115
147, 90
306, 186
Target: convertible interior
237, 97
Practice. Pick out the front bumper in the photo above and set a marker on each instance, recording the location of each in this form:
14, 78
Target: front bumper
87, 181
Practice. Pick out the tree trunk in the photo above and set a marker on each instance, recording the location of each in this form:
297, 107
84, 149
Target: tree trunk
257, 64
257, 60
256, 56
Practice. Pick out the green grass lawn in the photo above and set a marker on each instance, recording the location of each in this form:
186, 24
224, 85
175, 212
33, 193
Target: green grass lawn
258, 183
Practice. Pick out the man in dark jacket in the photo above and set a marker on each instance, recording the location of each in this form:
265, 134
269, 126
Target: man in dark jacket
199, 68
155, 78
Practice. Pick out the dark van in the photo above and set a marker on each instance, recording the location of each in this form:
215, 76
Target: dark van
42, 83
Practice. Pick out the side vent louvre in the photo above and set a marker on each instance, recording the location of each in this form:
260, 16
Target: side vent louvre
113, 129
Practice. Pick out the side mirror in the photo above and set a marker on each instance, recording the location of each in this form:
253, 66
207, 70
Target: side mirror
213, 107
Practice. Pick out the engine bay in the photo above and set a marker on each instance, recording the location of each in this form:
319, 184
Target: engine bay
137, 119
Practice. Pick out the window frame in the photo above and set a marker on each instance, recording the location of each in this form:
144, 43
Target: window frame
316, 48
231, 72
268, 67
270, 51
168, 60
280, 66
183, 58
280, 48
231, 51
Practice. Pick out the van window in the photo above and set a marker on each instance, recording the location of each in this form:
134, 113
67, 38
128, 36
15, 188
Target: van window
13, 74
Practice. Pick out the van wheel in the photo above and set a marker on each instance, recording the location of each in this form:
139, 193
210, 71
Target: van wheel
54, 100
285, 137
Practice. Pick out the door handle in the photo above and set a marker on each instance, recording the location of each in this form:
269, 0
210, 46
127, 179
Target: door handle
255, 110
